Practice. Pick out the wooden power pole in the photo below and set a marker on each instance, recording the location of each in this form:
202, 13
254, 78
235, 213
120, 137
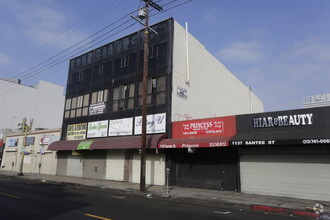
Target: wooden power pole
144, 93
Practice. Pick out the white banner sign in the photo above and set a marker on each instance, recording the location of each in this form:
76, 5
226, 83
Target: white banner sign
97, 129
121, 127
98, 108
155, 124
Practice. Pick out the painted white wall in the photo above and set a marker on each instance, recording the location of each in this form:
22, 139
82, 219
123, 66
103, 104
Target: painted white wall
31, 161
43, 102
155, 168
212, 90
115, 165
49, 106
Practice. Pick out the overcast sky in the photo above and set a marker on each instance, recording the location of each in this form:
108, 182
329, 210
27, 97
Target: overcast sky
281, 48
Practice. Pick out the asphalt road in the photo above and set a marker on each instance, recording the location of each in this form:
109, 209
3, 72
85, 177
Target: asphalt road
23, 199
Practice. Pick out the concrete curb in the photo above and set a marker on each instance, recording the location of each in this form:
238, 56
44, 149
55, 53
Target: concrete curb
286, 211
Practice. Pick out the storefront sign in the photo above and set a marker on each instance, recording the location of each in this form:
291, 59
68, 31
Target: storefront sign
280, 142
76, 131
98, 108
181, 92
194, 145
155, 124
84, 145
12, 142
97, 129
282, 121
44, 140
220, 126
120, 127
29, 141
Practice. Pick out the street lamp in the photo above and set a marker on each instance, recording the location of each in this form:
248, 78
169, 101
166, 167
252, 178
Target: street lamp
25, 130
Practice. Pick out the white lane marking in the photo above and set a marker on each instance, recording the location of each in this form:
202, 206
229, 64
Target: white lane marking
119, 197
223, 213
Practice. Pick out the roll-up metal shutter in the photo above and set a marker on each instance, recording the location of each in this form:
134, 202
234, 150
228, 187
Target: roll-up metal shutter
291, 175
95, 164
75, 166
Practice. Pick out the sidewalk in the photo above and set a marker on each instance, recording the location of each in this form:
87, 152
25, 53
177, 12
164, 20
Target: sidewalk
283, 205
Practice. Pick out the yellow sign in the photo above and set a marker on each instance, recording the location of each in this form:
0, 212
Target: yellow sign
76, 131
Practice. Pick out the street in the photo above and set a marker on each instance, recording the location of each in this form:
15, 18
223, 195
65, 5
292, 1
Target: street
23, 199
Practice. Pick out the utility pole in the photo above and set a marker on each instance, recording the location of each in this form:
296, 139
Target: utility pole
25, 129
144, 91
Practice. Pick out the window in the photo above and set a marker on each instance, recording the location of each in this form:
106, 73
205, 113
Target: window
72, 64
99, 70
67, 104
104, 52
89, 58
156, 87
99, 96
78, 62
97, 55
124, 61
81, 75
123, 97
110, 50
76, 106
84, 60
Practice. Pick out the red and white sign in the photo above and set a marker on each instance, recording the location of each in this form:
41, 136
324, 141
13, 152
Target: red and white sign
220, 126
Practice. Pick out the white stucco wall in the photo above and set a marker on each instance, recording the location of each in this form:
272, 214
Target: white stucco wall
212, 90
38, 153
44, 103
115, 165
155, 168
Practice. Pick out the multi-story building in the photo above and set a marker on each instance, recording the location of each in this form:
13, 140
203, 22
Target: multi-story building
102, 115
316, 101
43, 103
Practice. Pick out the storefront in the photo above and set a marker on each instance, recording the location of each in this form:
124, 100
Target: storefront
285, 153
113, 158
198, 154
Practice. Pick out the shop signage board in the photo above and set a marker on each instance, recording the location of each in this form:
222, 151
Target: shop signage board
76, 131
12, 142
29, 141
155, 124
294, 127
121, 127
97, 129
84, 145
98, 108
44, 140
209, 127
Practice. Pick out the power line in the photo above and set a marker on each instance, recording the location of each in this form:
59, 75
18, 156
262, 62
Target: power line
48, 64
34, 54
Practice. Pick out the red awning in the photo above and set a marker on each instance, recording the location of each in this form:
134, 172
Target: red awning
1, 142
108, 143
219, 141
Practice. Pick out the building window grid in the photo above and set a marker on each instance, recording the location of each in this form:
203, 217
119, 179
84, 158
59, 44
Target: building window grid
156, 90
76, 106
123, 97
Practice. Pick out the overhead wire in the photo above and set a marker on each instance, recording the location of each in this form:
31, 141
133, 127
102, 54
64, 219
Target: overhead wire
34, 54
76, 52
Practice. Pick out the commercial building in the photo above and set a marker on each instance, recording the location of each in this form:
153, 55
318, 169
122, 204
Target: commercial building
284, 153
43, 103
37, 159
102, 115
316, 101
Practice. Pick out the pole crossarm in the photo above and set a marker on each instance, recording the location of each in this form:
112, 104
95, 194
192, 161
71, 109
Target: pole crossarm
154, 5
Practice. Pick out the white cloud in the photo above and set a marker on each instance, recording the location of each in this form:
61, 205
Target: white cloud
310, 50
45, 24
247, 52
